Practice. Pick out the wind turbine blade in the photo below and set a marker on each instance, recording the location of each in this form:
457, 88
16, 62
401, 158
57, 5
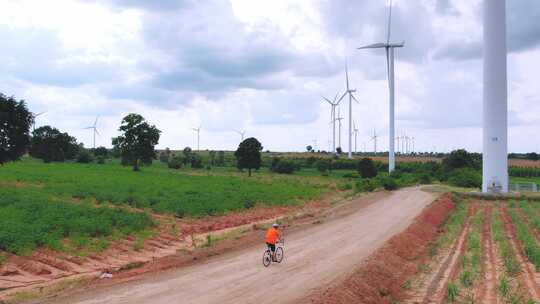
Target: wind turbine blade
373, 46
388, 67
97, 132
95, 122
355, 99
347, 75
335, 98
327, 100
38, 114
342, 96
88, 128
389, 29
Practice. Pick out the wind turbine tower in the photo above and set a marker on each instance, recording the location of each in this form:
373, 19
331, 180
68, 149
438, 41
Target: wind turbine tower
333, 104
198, 130
374, 138
339, 119
241, 133
355, 137
495, 107
389, 47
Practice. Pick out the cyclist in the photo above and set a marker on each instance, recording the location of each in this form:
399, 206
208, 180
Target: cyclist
272, 237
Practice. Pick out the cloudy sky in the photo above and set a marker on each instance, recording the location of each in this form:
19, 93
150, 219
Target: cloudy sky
262, 65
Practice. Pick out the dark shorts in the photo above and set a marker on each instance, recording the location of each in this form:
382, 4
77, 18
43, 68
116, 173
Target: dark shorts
271, 246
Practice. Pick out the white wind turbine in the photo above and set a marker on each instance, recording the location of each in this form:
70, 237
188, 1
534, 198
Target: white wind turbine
339, 119
349, 92
198, 130
333, 105
389, 47
241, 133
374, 139
34, 116
94, 129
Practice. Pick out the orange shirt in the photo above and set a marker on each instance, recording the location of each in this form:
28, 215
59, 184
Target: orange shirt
272, 235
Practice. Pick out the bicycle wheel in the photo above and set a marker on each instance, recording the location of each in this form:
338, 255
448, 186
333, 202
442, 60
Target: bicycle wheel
279, 254
267, 258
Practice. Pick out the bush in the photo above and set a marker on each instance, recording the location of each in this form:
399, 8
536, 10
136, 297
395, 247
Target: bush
389, 183
283, 166
366, 185
85, 157
465, 177
101, 151
196, 161
100, 160
424, 179
323, 166
366, 168
351, 175
176, 162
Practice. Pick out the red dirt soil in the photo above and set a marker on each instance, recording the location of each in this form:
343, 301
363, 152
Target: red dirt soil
382, 275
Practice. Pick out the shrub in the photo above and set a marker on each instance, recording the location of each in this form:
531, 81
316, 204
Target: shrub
366, 168
366, 185
196, 161
285, 167
85, 157
425, 179
176, 162
389, 183
465, 177
100, 160
323, 166
101, 151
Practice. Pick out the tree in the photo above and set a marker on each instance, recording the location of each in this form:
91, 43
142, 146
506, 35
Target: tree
188, 155
367, 168
137, 142
15, 122
248, 155
212, 155
339, 150
323, 166
101, 152
49, 144
309, 148
461, 159
221, 158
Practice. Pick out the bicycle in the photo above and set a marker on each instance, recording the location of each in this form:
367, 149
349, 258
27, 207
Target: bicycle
267, 255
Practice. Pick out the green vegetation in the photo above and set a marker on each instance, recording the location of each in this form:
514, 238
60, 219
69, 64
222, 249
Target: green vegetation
465, 177
452, 292
527, 239
471, 261
32, 218
452, 227
15, 122
183, 193
505, 249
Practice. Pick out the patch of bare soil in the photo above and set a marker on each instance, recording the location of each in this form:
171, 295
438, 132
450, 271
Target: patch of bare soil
487, 291
380, 279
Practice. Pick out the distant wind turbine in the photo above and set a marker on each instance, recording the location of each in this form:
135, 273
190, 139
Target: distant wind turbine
94, 129
333, 105
198, 130
355, 136
241, 133
349, 92
389, 47
374, 139
339, 119
34, 116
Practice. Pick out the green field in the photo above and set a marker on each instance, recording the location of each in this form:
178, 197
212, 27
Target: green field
47, 204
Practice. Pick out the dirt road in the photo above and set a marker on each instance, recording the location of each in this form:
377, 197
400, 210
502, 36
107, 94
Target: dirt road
313, 258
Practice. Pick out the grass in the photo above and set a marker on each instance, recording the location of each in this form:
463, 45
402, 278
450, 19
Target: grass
452, 227
31, 218
183, 193
527, 239
503, 245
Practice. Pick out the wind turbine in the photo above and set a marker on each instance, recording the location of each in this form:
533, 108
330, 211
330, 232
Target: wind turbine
355, 136
339, 119
349, 92
397, 139
389, 47
374, 138
34, 116
94, 129
198, 130
333, 104
242, 133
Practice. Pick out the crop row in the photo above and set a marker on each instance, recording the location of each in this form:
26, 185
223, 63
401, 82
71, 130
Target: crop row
527, 237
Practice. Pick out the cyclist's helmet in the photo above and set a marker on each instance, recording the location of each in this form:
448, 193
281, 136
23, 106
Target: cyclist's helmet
275, 225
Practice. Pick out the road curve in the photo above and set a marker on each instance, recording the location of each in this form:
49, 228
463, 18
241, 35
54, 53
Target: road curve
313, 258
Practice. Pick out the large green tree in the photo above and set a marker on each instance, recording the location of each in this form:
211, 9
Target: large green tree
15, 122
49, 144
248, 155
137, 141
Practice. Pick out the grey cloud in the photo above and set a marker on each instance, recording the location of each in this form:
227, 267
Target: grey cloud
153, 5
523, 33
